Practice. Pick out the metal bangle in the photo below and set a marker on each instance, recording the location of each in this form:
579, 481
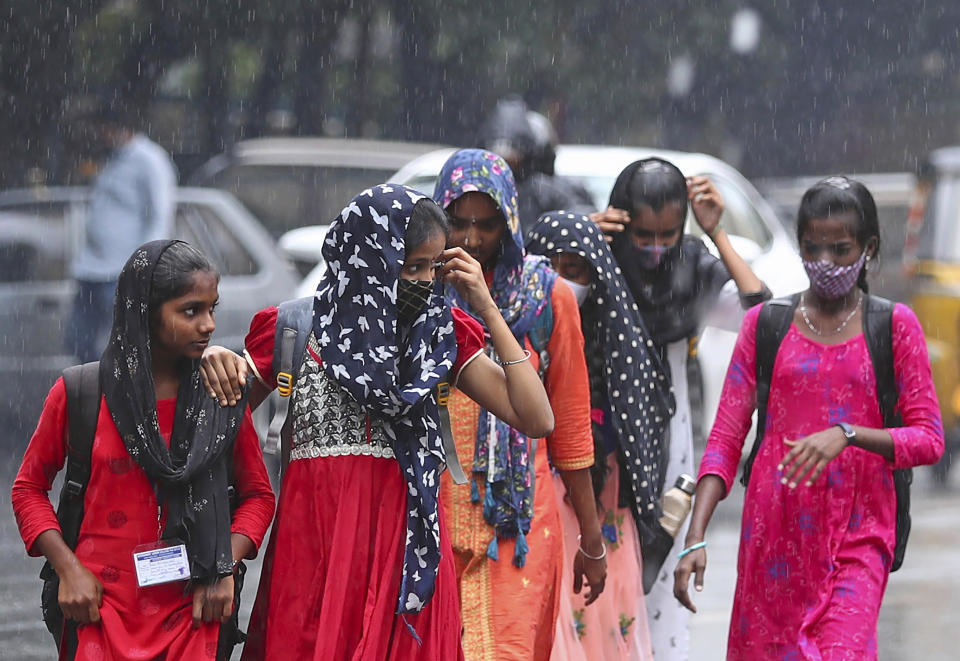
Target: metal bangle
526, 357
587, 555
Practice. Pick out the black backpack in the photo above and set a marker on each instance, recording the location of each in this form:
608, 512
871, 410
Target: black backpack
82, 384
772, 326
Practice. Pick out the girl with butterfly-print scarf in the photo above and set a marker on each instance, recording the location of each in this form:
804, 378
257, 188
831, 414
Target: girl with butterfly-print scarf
631, 403
506, 525
160, 463
359, 564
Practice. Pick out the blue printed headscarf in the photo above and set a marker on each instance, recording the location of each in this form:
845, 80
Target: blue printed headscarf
521, 288
388, 371
626, 372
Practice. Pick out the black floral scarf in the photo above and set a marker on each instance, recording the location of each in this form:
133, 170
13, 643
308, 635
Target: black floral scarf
191, 475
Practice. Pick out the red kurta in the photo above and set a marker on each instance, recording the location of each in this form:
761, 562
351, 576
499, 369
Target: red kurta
331, 576
120, 513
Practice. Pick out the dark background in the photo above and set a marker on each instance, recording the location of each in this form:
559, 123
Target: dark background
812, 87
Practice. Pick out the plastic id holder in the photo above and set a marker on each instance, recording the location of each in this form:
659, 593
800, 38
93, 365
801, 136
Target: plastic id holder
160, 562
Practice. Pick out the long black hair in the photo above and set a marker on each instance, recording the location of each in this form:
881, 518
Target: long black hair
173, 275
836, 195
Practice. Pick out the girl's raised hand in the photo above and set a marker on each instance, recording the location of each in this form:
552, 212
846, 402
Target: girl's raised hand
611, 221
706, 202
465, 274
810, 455
224, 374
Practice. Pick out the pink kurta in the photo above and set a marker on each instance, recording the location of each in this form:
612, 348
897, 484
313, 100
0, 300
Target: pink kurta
814, 561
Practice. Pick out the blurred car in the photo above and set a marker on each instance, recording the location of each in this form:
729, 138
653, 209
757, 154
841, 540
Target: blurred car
754, 230
40, 230
291, 182
893, 192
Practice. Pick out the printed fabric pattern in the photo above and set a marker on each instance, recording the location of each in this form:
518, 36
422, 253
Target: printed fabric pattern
636, 384
521, 289
389, 369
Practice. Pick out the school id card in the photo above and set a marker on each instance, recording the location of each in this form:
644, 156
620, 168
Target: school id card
161, 564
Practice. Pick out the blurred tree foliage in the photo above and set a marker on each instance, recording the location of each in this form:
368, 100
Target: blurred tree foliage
862, 85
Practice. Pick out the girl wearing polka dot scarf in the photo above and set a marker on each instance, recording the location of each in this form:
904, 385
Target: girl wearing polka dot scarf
679, 287
631, 403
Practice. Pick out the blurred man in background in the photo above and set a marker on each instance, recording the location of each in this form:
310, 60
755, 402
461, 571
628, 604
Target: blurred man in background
131, 202
527, 141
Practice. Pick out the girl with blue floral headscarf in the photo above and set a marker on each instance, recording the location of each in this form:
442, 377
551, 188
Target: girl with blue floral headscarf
506, 527
359, 564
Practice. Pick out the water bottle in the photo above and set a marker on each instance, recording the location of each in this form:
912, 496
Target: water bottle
656, 543
677, 502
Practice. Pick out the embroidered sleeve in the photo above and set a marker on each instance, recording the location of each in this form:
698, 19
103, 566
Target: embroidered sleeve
44, 458
470, 341
258, 345
920, 440
737, 402
568, 387
255, 510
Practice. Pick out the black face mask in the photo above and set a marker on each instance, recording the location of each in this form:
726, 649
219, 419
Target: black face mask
412, 298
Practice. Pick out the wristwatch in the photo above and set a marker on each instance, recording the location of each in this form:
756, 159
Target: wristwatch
848, 432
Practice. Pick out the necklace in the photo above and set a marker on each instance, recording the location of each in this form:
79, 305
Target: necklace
817, 331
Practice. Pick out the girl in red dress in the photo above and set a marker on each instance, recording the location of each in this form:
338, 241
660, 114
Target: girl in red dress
359, 564
159, 471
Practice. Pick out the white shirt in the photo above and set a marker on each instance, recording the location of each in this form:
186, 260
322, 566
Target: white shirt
132, 201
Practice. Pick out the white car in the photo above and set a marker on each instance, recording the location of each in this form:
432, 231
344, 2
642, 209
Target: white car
751, 223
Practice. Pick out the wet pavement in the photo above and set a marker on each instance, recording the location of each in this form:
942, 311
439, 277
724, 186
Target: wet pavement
916, 620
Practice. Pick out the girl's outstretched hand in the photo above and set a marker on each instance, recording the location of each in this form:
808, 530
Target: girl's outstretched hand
224, 374
810, 455
465, 274
694, 563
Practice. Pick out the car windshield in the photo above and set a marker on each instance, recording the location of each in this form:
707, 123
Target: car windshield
285, 197
940, 235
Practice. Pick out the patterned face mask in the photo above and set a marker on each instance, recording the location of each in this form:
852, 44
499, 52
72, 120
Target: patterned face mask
651, 257
412, 298
831, 281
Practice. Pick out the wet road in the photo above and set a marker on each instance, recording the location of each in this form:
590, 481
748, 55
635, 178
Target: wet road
916, 620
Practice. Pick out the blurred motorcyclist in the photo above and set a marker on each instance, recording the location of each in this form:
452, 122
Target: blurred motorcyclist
528, 142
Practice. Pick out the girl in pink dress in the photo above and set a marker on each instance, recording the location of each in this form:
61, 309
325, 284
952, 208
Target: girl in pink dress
819, 519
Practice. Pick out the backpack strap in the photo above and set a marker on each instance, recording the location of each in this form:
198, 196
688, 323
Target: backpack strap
294, 325
773, 323
878, 332
82, 383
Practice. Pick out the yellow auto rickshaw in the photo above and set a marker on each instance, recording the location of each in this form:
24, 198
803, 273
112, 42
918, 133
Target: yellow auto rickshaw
932, 264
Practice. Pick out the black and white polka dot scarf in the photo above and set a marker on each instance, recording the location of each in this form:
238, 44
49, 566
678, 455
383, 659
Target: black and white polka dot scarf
355, 323
637, 385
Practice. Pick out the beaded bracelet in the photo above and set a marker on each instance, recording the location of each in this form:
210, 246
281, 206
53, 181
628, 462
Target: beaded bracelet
592, 557
691, 549
526, 357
